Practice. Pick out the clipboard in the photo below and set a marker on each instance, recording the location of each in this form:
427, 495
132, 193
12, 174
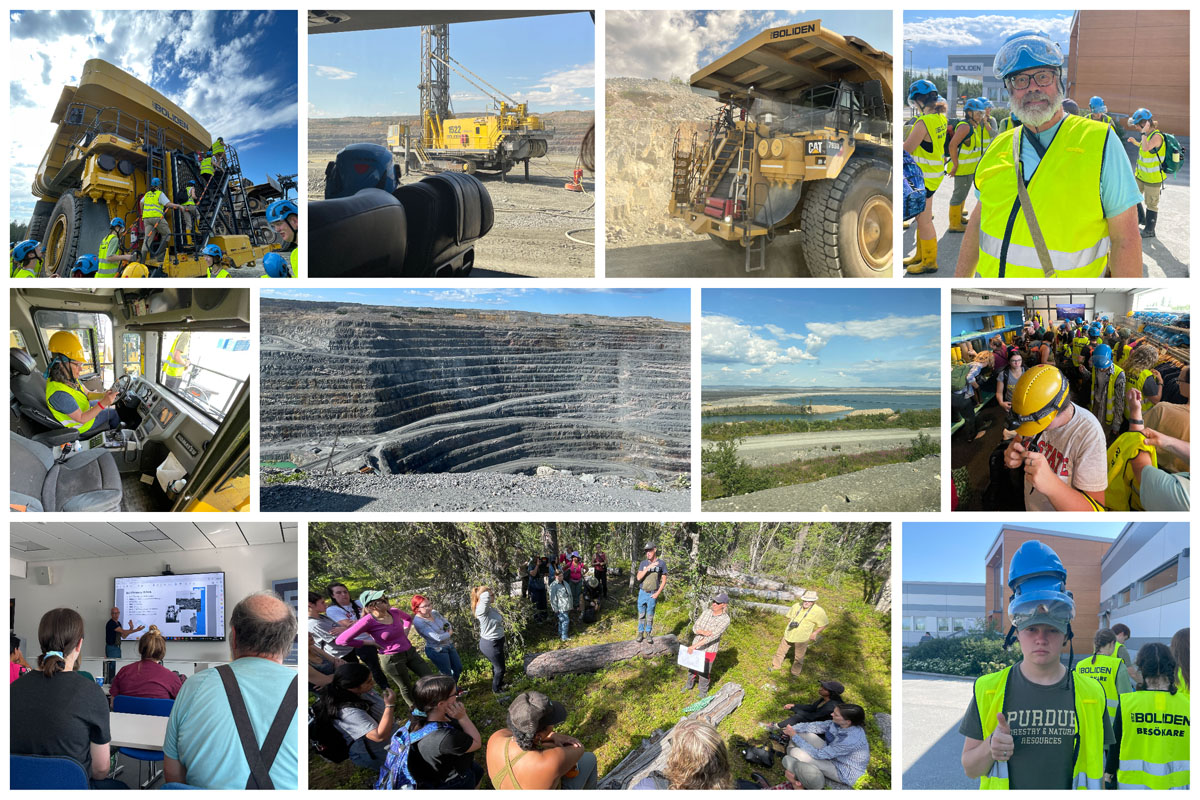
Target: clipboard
695, 660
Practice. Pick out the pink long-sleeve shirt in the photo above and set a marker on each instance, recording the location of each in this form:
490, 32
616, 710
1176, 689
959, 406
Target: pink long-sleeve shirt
391, 639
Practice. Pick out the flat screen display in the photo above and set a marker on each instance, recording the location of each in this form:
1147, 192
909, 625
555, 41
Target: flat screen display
184, 607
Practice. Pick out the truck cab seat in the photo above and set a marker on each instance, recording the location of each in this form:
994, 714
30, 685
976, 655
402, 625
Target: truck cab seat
28, 390
364, 235
446, 213
85, 481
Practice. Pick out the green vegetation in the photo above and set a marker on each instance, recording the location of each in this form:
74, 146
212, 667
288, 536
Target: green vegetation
285, 477
913, 419
743, 411
971, 656
726, 475
613, 709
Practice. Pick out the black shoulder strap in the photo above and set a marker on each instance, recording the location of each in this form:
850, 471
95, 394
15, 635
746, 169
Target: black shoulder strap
260, 760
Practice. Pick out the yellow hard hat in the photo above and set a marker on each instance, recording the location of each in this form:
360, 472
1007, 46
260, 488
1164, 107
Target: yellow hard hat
1039, 395
67, 344
136, 270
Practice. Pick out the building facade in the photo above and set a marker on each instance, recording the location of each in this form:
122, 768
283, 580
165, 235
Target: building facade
1145, 582
941, 609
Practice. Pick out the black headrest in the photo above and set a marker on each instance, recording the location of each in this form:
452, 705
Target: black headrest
360, 236
20, 362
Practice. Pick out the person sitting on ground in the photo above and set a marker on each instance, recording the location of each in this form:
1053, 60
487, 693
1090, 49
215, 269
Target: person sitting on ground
560, 603
698, 759
799, 775
17, 665
203, 744
442, 758
323, 630
389, 627
53, 711
838, 747
829, 694
148, 677
1006, 381
1152, 728
590, 599
438, 635
1181, 650
363, 718
321, 666
529, 754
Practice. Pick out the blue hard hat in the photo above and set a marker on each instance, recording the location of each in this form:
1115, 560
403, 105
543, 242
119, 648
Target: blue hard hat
22, 249
987, 102
281, 210
975, 104
277, 266
1140, 116
1110, 330
920, 87
1038, 582
1102, 357
86, 264
117, 222
155, 183
360, 166
1025, 50
1096, 104
212, 250
1094, 330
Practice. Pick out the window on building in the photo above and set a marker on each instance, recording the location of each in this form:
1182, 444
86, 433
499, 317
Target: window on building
1124, 596
958, 624
943, 625
906, 623
918, 623
1160, 578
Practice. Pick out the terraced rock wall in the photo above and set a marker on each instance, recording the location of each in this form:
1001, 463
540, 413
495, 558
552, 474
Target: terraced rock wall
452, 391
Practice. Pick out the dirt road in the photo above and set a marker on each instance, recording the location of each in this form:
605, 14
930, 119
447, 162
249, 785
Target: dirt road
780, 448
701, 258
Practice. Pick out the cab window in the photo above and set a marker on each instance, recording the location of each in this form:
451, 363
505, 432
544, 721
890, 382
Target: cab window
94, 332
204, 368
133, 362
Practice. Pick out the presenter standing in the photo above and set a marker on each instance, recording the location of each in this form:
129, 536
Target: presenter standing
114, 633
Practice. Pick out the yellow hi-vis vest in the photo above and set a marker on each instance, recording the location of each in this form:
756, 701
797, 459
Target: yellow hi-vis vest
80, 399
1061, 192
1138, 383
153, 207
1006, 124
1149, 167
174, 367
295, 262
1112, 384
218, 148
206, 166
16, 270
1090, 709
1077, 345
190, 200
111, 246
1102, 669
1156, 741
1181, 681
1121, 495
971, 148
932, 164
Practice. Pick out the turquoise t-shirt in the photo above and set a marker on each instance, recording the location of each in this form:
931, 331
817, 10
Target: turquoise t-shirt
1118, 189
202, 737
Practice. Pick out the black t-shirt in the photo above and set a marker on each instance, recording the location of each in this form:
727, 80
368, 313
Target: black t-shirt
441, 758
62, 715
111, 636
590, 593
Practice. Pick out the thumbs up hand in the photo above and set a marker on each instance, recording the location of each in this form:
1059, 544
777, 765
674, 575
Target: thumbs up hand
1001, 741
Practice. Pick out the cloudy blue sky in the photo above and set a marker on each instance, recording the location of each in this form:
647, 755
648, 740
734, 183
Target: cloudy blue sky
233, 71
548, 61
666, 44
820, 337
934, 35
668, 304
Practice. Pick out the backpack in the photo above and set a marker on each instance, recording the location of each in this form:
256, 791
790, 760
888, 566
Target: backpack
958, 376
914, 187
326, 741
394, 773
1173, 156
589, 615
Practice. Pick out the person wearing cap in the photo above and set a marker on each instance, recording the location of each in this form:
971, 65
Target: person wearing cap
530, 754
1107, 388
1149, 173
1037, 724
707, 632
829, 694
698, 759
389, 627
837, 747
491, 633
1059, 444
591, 599
1075, 178
651, 577
560, 603
805, 621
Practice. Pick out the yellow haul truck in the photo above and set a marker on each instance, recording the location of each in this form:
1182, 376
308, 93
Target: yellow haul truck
495, 142
175, 432
114, 135
802, 142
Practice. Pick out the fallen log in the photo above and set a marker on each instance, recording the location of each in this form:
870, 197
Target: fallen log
652, 753
594, 656
766, 594
768, 607
749, 580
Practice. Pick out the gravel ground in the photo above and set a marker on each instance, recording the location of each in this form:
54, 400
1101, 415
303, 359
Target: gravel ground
473, 491
780, 448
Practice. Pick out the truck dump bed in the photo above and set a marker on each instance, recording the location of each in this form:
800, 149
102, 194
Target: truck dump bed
782, 63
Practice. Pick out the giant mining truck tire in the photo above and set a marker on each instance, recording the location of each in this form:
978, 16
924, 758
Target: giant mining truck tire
76, 226
846, 223
40, 219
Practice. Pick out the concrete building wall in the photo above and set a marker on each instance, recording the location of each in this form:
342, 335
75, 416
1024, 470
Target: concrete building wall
940, 608
1133, 59
1134, 589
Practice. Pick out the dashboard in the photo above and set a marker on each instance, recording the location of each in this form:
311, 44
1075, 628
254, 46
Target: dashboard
166, 419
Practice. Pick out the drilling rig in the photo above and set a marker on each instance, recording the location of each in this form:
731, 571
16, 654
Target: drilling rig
493, 143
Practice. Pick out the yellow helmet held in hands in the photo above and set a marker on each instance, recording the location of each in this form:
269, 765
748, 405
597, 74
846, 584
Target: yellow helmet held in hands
136, 270
1038, 397
67, 344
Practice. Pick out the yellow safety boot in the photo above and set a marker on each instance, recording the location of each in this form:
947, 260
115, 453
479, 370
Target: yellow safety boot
928, 262
918, 255
956, 220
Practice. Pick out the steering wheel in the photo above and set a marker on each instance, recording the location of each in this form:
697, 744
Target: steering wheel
123, 386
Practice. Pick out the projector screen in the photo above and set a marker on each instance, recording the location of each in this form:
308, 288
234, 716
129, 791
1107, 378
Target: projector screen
184, 607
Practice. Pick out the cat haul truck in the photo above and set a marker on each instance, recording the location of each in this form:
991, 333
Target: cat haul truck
802, 142
115, 134
494, 142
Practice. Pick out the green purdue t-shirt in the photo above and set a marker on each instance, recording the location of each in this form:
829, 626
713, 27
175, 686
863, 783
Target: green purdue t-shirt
1042, 719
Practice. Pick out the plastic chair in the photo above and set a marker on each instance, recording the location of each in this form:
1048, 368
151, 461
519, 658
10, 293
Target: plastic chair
152, 707
46, 772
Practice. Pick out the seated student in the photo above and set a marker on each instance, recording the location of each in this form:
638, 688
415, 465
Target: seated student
54, 711
698, 760
203, 745
441, 758
829, 694
17, 665
799, 775
363, 718
964, 400
321, 665
148, 677
837, 747
528, 754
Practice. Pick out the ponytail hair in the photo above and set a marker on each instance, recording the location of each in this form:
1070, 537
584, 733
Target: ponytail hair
429, 691
1104, 637
1155, 661
59, 632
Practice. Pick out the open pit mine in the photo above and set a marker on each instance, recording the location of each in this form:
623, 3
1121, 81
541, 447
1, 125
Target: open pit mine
384, 408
